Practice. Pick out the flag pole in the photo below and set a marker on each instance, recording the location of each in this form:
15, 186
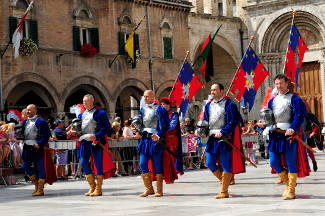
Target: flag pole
232, 82
185, 60
123, 47
294, 13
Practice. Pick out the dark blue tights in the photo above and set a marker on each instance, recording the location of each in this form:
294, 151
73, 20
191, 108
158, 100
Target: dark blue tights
290, 156
98, 163
157, 159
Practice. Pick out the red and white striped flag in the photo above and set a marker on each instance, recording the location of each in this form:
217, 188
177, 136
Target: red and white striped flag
16, 35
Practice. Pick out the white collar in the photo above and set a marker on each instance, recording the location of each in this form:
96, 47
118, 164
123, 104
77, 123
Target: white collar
151, 104
218, 100
89, 109
33, 117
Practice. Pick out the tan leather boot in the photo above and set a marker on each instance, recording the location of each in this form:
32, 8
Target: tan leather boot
226, 177
40, 189
98, 189
160, 178
91, 181
292, 186
34, 179
218, 174
284, 177
148, 184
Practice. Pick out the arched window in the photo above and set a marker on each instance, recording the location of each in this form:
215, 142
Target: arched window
166, 25
83, 14
127, 20
21, 4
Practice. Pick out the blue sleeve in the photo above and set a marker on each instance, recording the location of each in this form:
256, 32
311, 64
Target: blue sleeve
44, 132
103, 124
173, 122
80, 116
299, 111
232, 118
270, 103
163, 122
60, 134
206, 112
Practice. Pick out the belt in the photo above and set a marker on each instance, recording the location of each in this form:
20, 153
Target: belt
30, 142
150, 135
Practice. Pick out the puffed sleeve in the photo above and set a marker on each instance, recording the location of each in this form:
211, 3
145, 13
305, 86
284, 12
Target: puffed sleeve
232, 118
163, 121
44, 132
299, 112
103, 124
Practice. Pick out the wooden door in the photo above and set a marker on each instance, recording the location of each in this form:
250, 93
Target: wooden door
310, 89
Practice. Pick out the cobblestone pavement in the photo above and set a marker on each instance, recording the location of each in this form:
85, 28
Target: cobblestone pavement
193, 194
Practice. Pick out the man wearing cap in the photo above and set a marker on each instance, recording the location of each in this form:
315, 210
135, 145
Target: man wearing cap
172, 166
155, 125
61, 134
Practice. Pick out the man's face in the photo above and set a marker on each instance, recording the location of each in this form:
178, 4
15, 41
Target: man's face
166, 106
31, 112
187, 121
88, 103
215, 91
148, 97
281, 85
61, 125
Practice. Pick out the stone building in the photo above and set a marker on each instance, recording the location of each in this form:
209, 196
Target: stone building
57, 76
269, 21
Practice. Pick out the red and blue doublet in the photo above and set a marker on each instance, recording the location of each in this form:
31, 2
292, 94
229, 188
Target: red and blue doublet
95, 122
223, 116
36, 130
171, 166
289, 113
155, 121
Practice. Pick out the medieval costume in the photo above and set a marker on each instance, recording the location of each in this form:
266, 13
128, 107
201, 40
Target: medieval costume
155, 121
37, 131
223, 116
171, 166
95, 122
289, 112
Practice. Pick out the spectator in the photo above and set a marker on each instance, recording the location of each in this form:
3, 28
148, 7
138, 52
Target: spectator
186, 123
323, 133
248, 129
14, 146
185, 145
5, 148
61, 134
114, 133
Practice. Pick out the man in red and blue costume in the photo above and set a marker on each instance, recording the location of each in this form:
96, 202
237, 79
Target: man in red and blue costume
289, 112
94, 127
223, 118
172, 166
36, 136
155, 126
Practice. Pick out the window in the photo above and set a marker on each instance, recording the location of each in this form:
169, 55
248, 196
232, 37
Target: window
30, 29
220, 7
168, 51
234, 9
85, 35
123, 38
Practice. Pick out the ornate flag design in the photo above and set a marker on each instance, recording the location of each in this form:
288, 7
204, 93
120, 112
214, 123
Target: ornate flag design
295, 54
185, 87
249, 77
192, 142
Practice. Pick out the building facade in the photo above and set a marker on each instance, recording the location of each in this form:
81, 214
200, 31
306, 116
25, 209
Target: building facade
57, 76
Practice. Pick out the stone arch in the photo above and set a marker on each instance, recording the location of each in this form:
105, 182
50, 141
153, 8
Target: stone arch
125, 14
35, 78
20, 3
223, 41
86, 80
128, 82
279, 30
163, 86
83, 8
166, 24
311, 12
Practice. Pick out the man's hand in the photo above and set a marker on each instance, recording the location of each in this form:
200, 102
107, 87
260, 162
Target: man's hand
120, 139
312, 134
289, 132
36, 145
113, 141
92, 137
259, 123
218, 135
154, 137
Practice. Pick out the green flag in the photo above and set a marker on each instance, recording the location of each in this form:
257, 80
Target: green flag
205, 52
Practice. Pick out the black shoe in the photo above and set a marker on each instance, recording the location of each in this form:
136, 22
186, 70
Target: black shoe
26, 177
315, 166
202, 166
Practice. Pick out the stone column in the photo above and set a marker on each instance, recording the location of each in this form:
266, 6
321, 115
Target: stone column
112, 116
227, 8
58, 115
